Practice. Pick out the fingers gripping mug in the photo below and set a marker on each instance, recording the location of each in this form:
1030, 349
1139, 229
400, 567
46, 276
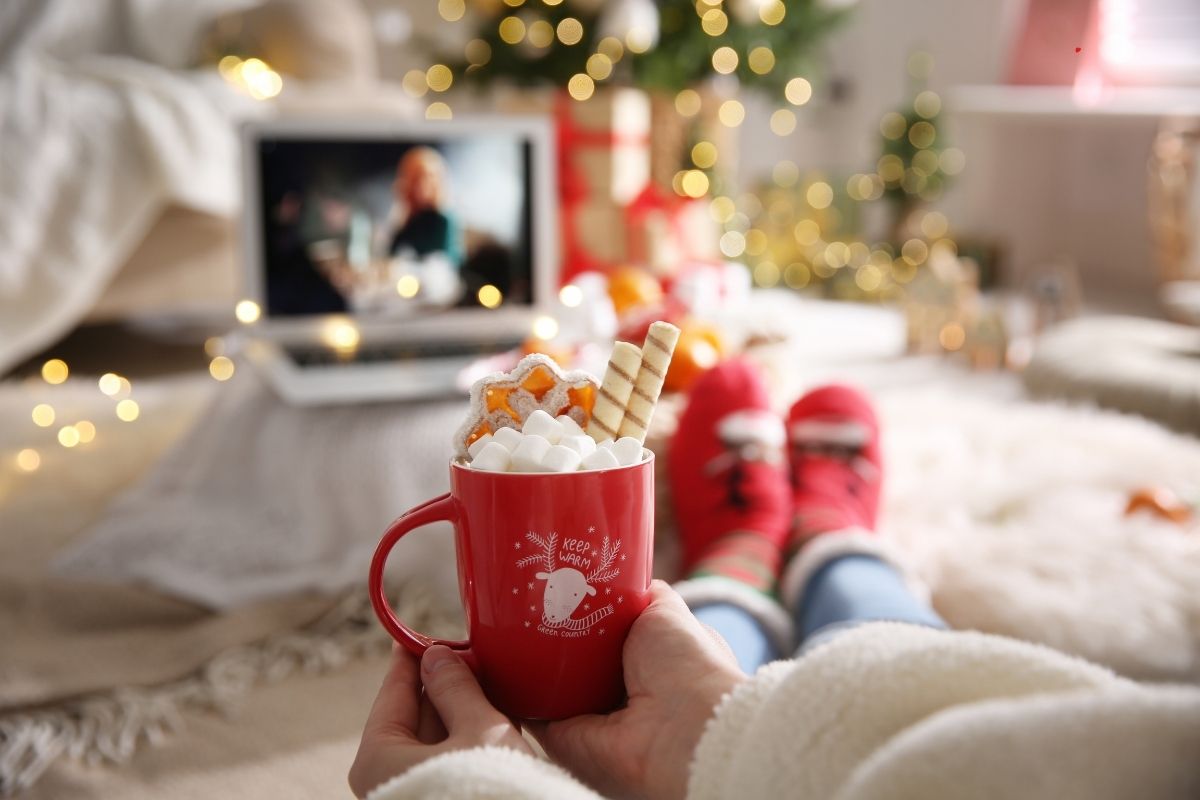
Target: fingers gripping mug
553, 568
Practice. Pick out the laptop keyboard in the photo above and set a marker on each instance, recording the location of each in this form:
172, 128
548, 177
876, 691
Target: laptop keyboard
317, 355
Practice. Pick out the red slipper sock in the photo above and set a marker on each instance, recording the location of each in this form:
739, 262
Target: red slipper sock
727, 479
836, 466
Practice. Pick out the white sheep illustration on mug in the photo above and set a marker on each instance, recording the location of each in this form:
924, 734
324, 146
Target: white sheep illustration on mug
567, 587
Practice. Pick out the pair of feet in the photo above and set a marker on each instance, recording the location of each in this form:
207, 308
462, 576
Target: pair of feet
750, 488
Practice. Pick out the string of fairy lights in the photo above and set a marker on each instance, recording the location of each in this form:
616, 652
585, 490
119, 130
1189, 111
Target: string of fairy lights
527, 29
79, 432
48, 413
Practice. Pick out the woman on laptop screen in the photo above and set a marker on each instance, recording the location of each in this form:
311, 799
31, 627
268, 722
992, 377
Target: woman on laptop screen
421, 188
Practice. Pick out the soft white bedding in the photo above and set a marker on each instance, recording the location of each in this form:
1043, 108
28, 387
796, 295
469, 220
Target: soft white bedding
103, 126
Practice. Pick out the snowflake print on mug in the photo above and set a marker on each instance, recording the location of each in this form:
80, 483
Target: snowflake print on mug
568, 587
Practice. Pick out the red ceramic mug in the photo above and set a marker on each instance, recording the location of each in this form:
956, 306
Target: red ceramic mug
553, 568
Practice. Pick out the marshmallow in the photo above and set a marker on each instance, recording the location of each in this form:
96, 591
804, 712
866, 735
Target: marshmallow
509, 437
582, 444
607, 444
493, 457
529, 454
539, 423
478, 445
569, 426
561, 459
628, 451
600, 459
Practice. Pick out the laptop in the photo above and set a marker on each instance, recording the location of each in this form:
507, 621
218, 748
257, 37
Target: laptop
383, 257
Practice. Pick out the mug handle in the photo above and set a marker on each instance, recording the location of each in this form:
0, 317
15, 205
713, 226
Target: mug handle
438, 509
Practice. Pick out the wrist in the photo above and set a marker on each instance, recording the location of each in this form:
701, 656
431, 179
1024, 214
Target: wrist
693, 714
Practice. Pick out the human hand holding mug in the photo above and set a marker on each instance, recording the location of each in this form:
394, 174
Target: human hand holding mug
423, 711
676, 672
553, 570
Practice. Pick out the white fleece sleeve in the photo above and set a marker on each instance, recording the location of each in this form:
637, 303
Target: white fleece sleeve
483, 772
896, 711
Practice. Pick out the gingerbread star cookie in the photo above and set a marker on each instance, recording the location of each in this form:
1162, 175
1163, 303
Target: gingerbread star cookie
506, 399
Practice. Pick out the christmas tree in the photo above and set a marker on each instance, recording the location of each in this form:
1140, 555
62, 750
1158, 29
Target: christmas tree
666, 46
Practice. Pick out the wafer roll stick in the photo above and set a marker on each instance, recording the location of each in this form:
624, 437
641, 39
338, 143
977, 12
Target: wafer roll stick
656, 357
615, 389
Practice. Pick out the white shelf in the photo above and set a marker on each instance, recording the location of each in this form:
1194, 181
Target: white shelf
1061, 102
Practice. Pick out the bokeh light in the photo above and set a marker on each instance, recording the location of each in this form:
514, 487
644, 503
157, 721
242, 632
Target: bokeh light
798, 91
934, 225
687, 103
247, 312
28, 460
451, 10
704, 154
785, 174
221, 368
721, 209
797, 275
694, 183
439, 77
772, 12
893, 125
915, 251
761, 60
714, 22
922, 134
55, 371
570, 31
545, 328
110, 382
819, 195
581, 86
414, 81
868, 278
408, 286
43, 415
733, 244
783, 122
890, 168
512, 30
952, 336
952, 160
756, 242
807, 232
68, 436
570, 295
611, 47
927, 104
766, 274
724, 60
489, 296
477, 51
599, 66
925, 162
731, 113
920, 64
340, 334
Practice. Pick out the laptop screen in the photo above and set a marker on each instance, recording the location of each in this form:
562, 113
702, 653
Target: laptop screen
395, 227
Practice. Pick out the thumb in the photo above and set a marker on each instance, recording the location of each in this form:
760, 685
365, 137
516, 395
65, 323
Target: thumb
454, 691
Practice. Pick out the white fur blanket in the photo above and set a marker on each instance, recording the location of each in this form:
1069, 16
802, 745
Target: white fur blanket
1013, 514
103, 126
